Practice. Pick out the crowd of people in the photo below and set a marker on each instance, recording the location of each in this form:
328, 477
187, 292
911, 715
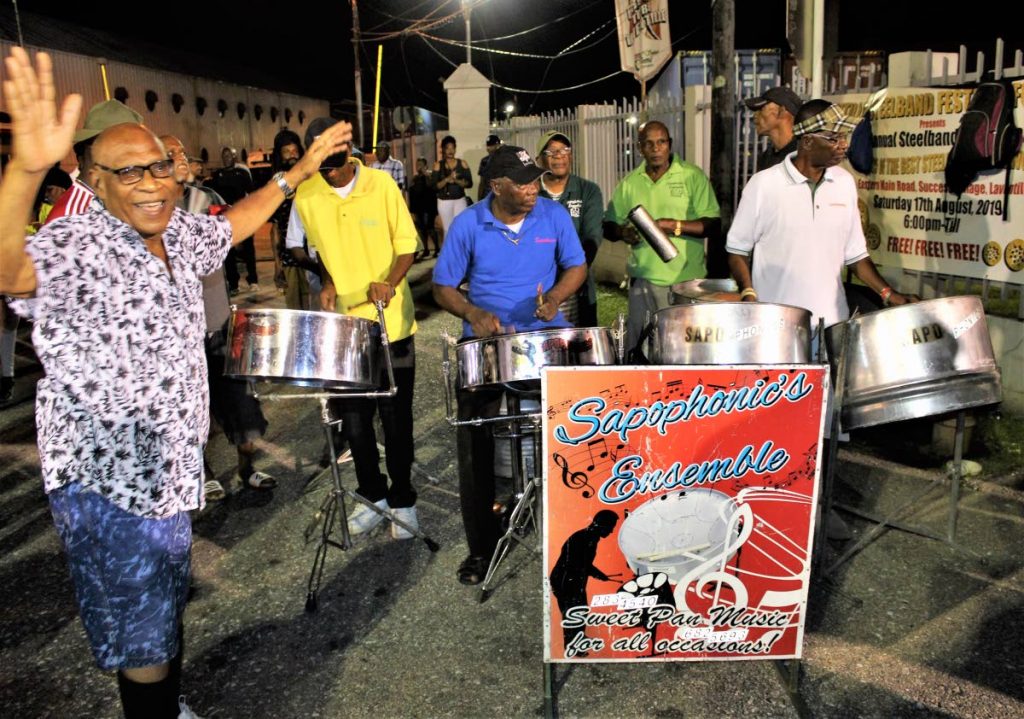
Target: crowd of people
124, 407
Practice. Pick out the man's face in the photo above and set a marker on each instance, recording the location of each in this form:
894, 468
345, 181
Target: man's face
227, 156
516, 199
766, 118
826, 149
656, 147
557, 159
383, 153
491, 149
146, 205
421, 166
289, 155
176, 151
196, 168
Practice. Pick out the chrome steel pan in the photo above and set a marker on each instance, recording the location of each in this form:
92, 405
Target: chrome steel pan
731, 333
916, 360
312, 349
521, 356
687, 293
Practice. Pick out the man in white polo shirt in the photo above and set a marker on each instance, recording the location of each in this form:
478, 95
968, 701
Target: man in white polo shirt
800, 221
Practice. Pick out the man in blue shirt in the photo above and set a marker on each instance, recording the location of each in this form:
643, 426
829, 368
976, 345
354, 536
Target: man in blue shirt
509, 247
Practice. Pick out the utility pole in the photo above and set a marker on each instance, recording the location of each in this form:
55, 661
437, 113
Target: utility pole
469, 42
358, 72
723, 125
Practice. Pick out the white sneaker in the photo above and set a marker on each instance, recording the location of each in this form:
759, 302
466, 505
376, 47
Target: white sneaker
254, 287
363, 519
184, 712
407, 515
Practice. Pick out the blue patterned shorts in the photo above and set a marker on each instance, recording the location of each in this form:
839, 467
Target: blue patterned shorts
131, 576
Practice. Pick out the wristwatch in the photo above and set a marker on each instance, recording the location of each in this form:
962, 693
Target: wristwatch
679, 228
288, 190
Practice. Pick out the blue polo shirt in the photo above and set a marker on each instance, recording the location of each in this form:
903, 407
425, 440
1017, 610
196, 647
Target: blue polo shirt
503, 268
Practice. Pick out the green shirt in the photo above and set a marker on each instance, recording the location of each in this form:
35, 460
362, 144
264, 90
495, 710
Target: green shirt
682, 193
582, 198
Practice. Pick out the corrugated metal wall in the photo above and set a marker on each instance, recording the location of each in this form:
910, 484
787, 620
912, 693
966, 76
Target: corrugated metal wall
81, 74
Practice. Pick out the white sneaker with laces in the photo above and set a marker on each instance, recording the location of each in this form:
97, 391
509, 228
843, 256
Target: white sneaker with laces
363, 519
184, 712
407, 515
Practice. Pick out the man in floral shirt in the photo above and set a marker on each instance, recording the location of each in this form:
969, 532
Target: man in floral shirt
116, 300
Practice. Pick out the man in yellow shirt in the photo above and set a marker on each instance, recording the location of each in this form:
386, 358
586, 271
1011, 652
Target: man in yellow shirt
356, 219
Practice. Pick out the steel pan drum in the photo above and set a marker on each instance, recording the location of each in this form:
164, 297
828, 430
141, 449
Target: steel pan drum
312, 349
687, 293
731, 333
916, 360
521, 356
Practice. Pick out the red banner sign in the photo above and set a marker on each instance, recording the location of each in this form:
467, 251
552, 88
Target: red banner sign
678, 510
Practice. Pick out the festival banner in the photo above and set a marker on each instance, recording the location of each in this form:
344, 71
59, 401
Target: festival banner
679, 510
909, 219
645, 44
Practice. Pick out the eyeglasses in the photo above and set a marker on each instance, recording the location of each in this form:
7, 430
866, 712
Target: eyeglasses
563, 152
832, 138
133, 173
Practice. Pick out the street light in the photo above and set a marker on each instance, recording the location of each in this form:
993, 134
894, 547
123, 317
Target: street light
509, 108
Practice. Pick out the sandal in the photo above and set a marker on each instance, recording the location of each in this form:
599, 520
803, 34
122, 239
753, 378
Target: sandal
473, 570
213, 491
260, 480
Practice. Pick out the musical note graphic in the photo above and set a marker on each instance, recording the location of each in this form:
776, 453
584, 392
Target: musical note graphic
573, 480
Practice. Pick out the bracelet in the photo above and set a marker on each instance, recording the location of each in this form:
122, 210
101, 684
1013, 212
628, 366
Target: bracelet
885, 293
749, 292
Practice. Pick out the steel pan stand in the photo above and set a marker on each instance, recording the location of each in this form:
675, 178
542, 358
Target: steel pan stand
525, 514
893, 518
332, 510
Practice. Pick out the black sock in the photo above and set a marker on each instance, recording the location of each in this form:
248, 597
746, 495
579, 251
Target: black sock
155, 700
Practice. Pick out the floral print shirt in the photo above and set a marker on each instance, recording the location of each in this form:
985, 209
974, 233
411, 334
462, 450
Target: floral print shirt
123, 407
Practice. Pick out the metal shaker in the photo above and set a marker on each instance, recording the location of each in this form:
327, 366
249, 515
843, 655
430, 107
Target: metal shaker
649, 230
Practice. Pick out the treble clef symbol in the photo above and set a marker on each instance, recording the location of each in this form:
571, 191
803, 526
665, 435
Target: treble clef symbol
573, 480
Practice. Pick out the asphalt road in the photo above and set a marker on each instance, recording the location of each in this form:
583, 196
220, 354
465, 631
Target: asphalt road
908, 627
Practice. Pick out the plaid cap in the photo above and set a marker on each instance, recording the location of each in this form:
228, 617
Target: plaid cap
831, 119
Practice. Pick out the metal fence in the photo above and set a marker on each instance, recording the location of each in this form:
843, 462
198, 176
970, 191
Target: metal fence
603, 137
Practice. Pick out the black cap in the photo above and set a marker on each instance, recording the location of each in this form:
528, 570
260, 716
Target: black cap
514, 163
317, 127
492, 140
782, 96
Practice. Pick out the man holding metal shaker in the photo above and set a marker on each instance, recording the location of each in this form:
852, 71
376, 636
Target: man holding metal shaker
680, 196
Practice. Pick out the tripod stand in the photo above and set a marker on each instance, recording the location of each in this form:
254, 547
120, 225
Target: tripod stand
332, 509
525, 515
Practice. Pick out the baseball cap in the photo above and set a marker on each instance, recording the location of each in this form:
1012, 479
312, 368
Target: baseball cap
552, 135
383, 143
103, 115
782, 96
317, 126
514, 163
492, 140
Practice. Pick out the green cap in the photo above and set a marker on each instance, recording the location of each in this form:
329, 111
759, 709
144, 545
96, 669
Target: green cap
552, 135
106, 114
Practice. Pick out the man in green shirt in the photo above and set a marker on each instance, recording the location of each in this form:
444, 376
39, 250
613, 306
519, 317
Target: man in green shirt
582, 198
679, 195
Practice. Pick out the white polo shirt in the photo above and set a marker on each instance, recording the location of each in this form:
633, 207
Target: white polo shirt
801, 237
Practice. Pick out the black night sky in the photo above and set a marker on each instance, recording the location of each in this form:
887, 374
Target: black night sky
306, 47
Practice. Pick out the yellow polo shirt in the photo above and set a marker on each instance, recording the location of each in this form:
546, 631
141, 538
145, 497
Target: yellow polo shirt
358, 238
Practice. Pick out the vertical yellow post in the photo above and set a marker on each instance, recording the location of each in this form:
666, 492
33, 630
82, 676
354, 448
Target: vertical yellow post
376, 96
103, 75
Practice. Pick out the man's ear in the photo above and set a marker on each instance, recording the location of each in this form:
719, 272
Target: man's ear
96, 181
